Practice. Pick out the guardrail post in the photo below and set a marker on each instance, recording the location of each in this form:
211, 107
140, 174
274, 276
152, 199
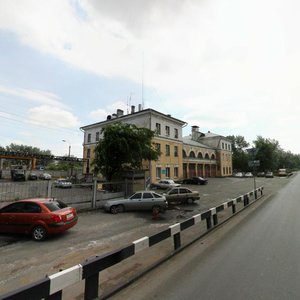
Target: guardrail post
56, 296
91, 287
177, 240
233, 209
215, 219
255, 194
208, 223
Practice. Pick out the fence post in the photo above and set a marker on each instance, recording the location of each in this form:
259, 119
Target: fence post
94, 193
49, 189
91, 287
255, 194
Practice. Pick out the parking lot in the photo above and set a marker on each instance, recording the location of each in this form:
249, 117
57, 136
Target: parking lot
97, 232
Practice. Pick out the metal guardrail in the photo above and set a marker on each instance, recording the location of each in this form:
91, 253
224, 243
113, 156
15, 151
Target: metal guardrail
51, 287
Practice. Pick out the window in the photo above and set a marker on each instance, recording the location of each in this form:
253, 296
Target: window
89, 138
192, 154
183, 153
223, 146
175, 133
32, 208
206, 156
167, 130
229, 146
147, 196
168, 172
158, 131
14, 208
176, 151
97, 136
175, 171
167, 150
158, 172
173, 192
136, 196
88, 153
213, 156
157, 146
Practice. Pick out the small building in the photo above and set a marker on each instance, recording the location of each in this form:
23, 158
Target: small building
181, 157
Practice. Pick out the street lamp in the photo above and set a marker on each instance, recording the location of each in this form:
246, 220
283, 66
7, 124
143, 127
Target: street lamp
69, 147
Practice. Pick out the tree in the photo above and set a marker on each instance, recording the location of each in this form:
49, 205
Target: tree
267, 153
239, 156
123, 147
24, 149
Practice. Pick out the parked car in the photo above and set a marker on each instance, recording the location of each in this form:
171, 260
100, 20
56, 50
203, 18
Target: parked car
164, 184
238, 175
38, 217
195, 180
63, 183
248, 175
45, 176
142, 200
260, 174
181, 195
269, 175
282, 172
32, 176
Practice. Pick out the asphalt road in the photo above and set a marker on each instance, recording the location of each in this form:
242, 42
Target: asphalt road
256, 256
24, 261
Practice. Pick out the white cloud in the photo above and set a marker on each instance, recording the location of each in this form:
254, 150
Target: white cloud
231, 63
53, 117
33, 96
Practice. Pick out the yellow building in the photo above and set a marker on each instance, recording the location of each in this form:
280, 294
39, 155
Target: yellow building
181, 157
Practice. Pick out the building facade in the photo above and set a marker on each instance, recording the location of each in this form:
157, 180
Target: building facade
181, 157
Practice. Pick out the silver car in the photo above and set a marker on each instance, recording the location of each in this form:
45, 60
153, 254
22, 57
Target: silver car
142, 200
164, 184
63, 183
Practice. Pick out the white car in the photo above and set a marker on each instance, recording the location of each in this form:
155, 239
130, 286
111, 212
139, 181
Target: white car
45, 176
164, 184
63, 183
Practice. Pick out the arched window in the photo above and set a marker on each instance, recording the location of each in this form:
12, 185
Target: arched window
200, 155
206, 156
183, 153
213, 156
192, 154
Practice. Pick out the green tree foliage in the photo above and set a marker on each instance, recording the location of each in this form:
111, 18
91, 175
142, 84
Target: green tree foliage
267, 153
123, 147
23, 149
240, 157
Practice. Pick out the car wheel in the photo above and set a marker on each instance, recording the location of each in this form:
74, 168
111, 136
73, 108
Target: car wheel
190, 201
39, 233
114, 209
120, 208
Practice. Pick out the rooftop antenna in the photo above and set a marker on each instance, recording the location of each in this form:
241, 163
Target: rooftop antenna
143, 82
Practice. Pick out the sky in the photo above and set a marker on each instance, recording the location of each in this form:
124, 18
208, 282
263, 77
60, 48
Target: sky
230, 67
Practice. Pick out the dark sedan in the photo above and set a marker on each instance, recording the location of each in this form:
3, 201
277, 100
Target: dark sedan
195, 180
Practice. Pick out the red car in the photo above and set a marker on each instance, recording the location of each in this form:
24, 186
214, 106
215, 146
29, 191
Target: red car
38, 217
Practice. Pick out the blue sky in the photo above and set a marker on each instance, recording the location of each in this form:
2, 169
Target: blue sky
230, 68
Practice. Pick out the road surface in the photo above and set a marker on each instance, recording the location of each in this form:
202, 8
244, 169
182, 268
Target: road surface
255, 256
